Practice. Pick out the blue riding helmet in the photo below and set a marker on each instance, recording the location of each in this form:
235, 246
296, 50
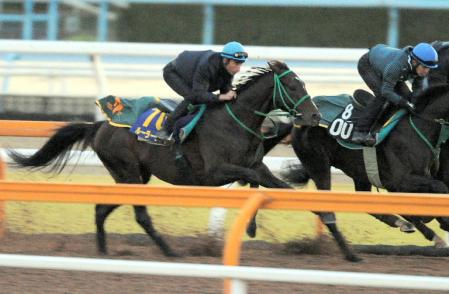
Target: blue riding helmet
234, 50
426, 55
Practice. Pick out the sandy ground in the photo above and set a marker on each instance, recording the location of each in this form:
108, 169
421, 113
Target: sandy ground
321, 255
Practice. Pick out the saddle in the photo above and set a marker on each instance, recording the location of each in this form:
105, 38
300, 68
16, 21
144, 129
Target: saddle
145, 117
337, 112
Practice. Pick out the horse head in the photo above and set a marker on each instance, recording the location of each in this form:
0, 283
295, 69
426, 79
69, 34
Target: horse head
290, 94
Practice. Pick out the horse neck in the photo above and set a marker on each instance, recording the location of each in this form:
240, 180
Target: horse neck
256, 97
436, 109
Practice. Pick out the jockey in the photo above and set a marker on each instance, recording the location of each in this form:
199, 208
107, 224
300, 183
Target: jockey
194, 75
385, 70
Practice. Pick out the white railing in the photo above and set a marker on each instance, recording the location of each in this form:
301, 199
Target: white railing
56, 59
239, 274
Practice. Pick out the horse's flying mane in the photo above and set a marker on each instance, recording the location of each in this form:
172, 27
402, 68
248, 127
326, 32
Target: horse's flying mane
250, 77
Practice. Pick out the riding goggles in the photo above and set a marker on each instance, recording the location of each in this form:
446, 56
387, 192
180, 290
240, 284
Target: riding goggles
240, 55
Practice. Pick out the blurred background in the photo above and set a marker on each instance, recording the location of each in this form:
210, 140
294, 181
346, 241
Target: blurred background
61, 79
339, 23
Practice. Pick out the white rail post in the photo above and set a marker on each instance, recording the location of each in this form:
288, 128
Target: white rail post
101, 81
238, 287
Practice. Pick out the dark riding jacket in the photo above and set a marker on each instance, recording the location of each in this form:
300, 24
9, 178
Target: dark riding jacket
393, 65
203, 72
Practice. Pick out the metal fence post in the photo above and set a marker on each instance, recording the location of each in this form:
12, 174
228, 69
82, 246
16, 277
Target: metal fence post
393, 27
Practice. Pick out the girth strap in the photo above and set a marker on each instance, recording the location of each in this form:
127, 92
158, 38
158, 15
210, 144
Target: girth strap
371, 167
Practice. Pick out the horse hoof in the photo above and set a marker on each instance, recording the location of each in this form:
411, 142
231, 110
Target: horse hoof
353, 258
102, 252
440, 244
407, 228
251, 232
172, 254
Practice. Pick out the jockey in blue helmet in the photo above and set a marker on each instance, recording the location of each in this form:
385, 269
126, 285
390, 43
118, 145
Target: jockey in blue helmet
195, 75
425, 55
385, 71
234, 50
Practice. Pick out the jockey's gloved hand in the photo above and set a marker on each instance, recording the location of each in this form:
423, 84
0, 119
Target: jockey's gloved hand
407, 105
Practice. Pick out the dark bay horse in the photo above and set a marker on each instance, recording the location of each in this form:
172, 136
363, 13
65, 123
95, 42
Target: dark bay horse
224, 147
284, 129
404, 158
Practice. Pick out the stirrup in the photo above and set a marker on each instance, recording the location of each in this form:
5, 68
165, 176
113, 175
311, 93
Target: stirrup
166, 140
370, 140
358, 137
158, 141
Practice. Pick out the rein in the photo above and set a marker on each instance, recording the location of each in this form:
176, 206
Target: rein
442, 138
280, 89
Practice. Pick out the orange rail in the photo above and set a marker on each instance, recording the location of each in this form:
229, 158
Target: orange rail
26, 128
188, 196
2, 203
22, 129
231, 254
394, 203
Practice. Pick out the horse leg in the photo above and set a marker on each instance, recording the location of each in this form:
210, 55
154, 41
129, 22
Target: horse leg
144, 220
444, 224
267, 180
395, 222
127, 170
329, 219
389, 219
251, 229
320, 173
421, 184
101, 213
427, 232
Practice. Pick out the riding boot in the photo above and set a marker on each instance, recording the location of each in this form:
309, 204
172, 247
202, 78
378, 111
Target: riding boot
359, 137
363, 127
165, 133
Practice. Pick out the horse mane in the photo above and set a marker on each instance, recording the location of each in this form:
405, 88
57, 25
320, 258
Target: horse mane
250, 77
428, 95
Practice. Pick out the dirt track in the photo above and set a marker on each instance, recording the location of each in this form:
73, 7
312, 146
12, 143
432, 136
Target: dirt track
323, 256
138, 247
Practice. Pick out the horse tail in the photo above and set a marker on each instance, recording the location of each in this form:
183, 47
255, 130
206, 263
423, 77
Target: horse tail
55, 153
295, 174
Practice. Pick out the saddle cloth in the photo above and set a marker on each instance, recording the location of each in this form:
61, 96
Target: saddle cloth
145, 116
336, 117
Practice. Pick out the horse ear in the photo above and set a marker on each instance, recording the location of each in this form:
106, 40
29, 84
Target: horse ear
277, 66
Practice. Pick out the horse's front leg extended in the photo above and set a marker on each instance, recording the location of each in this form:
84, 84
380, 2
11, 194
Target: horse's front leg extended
251, 229
227, 173
268, 180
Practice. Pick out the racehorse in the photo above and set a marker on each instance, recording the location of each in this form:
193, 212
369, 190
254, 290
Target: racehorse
224, 147
405, 158
283, 130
